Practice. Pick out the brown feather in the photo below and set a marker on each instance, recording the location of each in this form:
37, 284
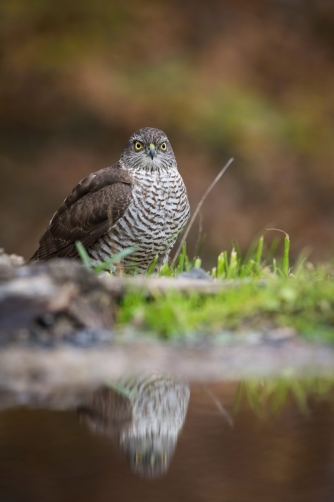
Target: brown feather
91, 209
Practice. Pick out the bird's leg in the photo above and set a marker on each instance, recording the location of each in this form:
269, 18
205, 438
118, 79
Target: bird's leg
163, 258
119, 269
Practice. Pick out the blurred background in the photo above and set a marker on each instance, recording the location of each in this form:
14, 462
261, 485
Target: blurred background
252, 80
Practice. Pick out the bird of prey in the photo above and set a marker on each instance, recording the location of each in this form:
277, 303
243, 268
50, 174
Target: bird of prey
143, 415
140, 202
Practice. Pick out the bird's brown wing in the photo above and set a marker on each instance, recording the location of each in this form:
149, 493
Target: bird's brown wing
90, 210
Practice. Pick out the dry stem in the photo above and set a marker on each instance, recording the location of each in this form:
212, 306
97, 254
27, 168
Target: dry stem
199, 205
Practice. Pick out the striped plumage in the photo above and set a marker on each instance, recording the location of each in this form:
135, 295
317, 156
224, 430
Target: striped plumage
144, 417
140, 202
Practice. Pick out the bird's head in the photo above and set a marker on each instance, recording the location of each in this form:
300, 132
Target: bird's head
149, 456
148, 149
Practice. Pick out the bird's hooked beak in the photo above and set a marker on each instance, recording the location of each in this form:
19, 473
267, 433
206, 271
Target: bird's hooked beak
152, 150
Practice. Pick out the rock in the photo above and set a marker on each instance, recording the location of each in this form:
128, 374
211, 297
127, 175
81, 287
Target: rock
52, 301
195, 273
7, 265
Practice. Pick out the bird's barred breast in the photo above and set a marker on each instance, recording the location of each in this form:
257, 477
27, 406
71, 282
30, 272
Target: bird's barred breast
159, 210
159, 404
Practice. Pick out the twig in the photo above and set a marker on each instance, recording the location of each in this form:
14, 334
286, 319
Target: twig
220, 407
200, 230
199, 205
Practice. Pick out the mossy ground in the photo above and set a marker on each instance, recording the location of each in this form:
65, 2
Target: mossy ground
305, 303
263, 293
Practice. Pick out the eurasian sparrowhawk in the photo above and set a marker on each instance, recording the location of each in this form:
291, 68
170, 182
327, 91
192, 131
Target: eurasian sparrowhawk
140, 202
144, 416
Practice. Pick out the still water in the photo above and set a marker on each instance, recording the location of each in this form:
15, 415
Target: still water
230, 442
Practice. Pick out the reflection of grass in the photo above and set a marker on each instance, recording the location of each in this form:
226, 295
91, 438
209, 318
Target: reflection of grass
270, 396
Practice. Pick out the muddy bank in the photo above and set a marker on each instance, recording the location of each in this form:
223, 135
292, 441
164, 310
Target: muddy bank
57, 331
24, 369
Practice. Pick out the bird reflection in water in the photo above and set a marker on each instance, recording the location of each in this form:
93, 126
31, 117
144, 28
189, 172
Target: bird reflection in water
144, 416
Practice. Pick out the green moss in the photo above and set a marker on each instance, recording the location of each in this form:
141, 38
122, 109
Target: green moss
262, 293
304, 303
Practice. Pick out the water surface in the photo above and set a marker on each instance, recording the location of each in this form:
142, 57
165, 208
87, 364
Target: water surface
239, 442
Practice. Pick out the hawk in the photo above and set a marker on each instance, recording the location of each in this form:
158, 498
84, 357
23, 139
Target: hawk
144, 416
140, 202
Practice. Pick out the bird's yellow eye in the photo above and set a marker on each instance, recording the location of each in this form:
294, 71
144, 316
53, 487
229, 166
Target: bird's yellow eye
163, 146
138, 146
138, 458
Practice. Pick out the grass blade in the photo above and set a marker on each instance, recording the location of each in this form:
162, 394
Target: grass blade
259, 251
152, 266
114, 259
83, 254
199, 205
286, 256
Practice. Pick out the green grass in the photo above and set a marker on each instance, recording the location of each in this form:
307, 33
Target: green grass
264, 292
106, 265
303, 303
